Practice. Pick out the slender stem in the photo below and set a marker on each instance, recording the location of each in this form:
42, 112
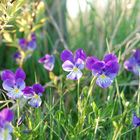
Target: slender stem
96, 127
78, 89
127, 131
117, 132
117, 95
51, 118
18, 110
91, 86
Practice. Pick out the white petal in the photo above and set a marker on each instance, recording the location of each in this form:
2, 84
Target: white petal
67, 66
8, 85
74, 75
15, 95
35, 101
104, 81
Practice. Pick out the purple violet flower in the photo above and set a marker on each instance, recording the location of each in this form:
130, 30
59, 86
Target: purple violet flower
6, 117
105, 70
33, 93
13, 82
133, 63
136, 120
47, 61
73, 63
28, 45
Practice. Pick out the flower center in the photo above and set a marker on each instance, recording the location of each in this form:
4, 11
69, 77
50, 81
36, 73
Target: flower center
36, 96
103, 76
75, 69
16, 90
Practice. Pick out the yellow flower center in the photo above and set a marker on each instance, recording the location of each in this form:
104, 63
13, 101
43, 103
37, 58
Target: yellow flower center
36, 96
103, 76
16, 90
75, 69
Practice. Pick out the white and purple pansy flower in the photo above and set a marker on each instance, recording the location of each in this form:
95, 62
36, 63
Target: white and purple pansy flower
6, 117
105, 70
33, 93
73, 63
133, 63
48, 62
13, 83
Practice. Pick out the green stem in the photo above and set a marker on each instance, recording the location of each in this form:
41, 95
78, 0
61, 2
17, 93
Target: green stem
51, 118
78, 89
119, 99
18, 109
130, 130
96, 127
91, 86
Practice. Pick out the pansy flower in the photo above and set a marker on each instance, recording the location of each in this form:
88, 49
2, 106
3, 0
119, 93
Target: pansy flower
48, 62
27, 46
136, 120
6, 117
73, 63
33, 93
13, 83
105, 70
133, 63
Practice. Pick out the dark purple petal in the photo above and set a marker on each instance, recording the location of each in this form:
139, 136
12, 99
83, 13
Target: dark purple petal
90, 61
8, 85
47, 58
67, 55
136, 120
7, 114
20, 74
7, 74
38, 88
43, 59
104, 81
28, 91
110, 57
137, 56
68, 66
80, 54
97, 67
111, 68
